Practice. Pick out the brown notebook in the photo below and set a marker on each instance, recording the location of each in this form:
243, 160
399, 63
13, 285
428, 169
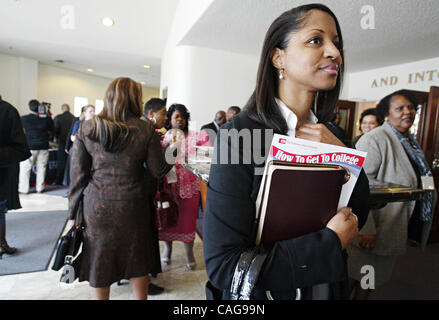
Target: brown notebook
297, 199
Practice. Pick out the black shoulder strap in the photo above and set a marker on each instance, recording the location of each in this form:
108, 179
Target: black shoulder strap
241, 269
246, 273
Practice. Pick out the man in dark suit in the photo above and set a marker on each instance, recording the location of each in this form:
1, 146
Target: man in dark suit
213, 127
63, 123
13, 149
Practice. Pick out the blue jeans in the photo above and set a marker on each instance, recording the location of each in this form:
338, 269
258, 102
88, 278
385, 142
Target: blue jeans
3, 210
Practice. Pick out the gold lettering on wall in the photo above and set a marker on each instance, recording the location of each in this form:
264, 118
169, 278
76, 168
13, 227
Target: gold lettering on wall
413, 77
419, 76
386, 81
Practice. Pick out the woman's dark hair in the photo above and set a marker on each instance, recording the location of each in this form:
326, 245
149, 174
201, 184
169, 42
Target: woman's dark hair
262, 106
184, 112
371, 112
383, 105
123, 100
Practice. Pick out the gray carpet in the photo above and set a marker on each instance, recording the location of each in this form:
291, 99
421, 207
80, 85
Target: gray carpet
35, 235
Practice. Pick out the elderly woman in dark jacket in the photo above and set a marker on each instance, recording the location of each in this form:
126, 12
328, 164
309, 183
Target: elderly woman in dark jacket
301, 58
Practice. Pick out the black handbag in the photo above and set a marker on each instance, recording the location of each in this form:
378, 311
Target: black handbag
67, 249
68, 245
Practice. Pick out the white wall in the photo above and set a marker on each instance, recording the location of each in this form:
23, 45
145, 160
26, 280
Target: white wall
28, 84
209, 80
205, 80
9, 79
18, 81
58, 86
187, 13
24, 79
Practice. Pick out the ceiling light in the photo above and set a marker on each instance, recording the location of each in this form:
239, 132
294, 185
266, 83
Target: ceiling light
108, 22
143, 82
90, 70
146, 66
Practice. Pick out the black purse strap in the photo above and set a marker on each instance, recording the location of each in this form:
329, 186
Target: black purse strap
246, 273
72, 244
76, 230
251, 276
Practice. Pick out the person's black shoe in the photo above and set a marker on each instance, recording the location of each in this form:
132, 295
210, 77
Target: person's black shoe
4, 248
154, 289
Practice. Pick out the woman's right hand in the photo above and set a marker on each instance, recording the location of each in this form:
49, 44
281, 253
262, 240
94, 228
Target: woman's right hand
345, 225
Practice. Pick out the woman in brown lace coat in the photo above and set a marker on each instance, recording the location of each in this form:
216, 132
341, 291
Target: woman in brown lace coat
108, 174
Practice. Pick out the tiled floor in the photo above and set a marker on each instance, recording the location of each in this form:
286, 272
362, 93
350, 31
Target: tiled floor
179, 282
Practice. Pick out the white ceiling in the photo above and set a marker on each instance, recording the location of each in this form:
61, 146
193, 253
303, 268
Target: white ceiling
405, 30
33, 29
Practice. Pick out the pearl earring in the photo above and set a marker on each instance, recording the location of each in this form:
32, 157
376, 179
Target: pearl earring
281, 74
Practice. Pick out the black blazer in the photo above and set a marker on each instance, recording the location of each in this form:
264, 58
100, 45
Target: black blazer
229, 228
62, 123
13, 149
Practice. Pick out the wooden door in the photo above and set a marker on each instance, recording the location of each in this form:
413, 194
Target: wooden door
347, 112
430, 145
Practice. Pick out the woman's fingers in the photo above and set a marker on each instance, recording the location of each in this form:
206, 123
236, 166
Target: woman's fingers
317, 132
310, 131
346, 211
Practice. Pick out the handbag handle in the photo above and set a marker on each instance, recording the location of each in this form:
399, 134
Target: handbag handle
246, 273
241, 269
251, 276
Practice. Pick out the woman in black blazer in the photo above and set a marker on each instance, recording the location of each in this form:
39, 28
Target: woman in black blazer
301, 66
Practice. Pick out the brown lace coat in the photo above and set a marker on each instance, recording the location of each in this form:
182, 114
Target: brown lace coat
113, 188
